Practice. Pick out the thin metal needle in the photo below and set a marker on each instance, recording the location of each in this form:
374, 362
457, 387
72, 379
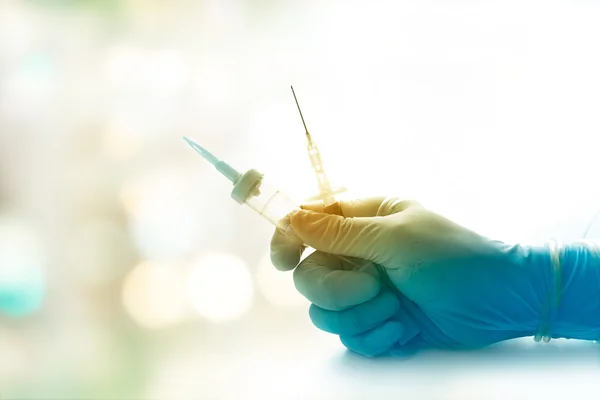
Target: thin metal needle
300, 111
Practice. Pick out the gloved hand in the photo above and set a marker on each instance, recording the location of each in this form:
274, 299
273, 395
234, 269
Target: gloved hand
426, 281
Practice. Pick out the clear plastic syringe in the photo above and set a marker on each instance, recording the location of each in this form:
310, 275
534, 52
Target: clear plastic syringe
250, 188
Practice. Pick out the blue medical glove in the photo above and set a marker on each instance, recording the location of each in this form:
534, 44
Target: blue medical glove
577, 313
424, 282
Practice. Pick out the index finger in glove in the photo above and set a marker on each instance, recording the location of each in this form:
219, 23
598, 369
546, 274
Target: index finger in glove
286, 252
368, 207
335, 284
352, 208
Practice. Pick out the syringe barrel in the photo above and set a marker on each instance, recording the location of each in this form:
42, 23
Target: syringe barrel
266, 199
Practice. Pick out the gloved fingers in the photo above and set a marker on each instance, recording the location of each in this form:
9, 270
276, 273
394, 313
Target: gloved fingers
377, 341
334, 284
411, 329
352, 208
407, 349
408, 317
361, 237
367, 207
394, 205
358, 319
285, 251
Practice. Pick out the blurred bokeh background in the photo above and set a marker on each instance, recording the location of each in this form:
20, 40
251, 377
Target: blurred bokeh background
126, 271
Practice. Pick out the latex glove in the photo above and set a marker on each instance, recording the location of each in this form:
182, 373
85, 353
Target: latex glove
429, 282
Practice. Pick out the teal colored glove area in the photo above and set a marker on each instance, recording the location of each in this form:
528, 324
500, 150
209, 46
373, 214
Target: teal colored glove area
578, 313
425, 282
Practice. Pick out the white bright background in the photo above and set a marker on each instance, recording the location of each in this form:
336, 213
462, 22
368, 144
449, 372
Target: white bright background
127, 272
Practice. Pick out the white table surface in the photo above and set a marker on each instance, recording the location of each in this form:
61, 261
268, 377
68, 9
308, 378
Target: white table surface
285, 357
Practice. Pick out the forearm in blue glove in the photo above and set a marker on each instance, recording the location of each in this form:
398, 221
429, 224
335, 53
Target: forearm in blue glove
577, 313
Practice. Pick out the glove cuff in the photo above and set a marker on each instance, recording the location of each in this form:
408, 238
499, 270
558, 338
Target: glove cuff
551, 303
576, 312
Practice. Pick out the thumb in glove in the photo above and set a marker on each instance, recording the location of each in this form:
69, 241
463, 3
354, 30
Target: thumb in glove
361, 237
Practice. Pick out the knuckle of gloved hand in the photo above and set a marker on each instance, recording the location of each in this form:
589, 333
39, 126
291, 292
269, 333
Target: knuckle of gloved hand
400, 226
393, 205
387, 206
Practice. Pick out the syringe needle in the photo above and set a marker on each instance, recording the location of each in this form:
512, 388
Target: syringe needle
326, 194
300, 111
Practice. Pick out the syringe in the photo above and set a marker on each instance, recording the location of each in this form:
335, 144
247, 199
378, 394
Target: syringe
326, 193
250, 188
